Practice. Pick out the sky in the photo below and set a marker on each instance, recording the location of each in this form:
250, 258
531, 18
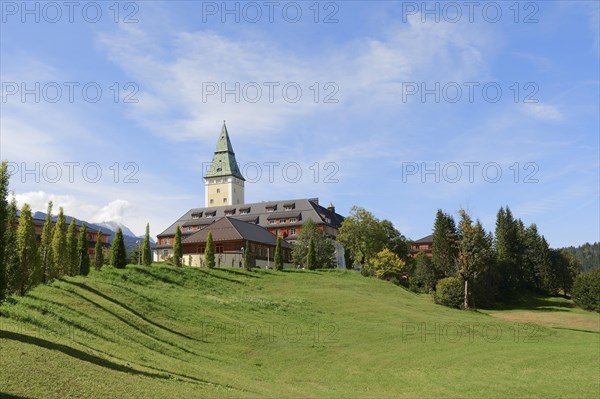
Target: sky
113, 109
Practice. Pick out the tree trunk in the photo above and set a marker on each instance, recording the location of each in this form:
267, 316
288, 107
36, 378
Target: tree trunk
466, 305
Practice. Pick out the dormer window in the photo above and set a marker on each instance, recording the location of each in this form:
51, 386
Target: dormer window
289, 207
211, 214
230, 212
271, 208
197, 215
281, 221
244, 211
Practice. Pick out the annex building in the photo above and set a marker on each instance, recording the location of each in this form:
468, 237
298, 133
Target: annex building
258, 223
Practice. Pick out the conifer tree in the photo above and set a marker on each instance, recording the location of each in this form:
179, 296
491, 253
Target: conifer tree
445, 244
98, 252
72, 249
11, 258
118, 255
27, 252
278, 255
146, 250
209, 252
177, 249
311, 262
46, 245
4, 220
60, 259
82, 252
546, 269
247, 257
474, 251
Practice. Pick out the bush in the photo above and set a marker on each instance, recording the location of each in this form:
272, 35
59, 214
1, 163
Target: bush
449, 292
586, 290
423, 277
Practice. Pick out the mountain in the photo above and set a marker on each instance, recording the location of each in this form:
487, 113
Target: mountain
114, 226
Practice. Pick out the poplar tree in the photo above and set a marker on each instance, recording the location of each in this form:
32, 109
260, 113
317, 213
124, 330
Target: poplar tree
146, 250
72, 249
247, 257
4, 220
60, 259
177, 249
311, 263
98, 253
118, 255
46, 245
27, 252
82, 252
11, 258
209, 252
278, 255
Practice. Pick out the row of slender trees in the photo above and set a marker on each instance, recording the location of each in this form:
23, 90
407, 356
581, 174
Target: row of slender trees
61, 250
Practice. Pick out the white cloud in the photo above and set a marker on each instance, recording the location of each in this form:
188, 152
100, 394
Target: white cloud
543, 112
114, 211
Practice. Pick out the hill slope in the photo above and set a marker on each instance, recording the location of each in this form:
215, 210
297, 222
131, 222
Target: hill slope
177, 332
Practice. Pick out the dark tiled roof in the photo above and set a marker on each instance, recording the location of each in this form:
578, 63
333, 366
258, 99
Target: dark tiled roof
424, 240
307, 208
284, 215
230, 229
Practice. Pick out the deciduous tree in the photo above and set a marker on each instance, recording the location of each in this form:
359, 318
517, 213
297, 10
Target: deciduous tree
362, 235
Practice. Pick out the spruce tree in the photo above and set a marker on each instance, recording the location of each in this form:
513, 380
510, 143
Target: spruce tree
506, 245
247, 257
548, 276
278, 255
98, 254
82, 252
209, 252
311, 262
474, 252
177, 249
445, 245
27, 252
60, 259
146, 250
11, 257
118, 255
72, 249
4, 220
46, 245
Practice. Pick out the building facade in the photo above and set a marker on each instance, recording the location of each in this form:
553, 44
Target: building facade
224, 197
423, 245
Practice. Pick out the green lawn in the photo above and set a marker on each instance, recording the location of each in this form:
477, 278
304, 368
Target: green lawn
171, 332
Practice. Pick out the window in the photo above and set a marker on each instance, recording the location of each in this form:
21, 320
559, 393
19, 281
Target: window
168, 241
293, 220
165, 252
219, 248
272, 221
211, 214
196, 215
293, 231
281, 221
224, 200
218, 190
212, 201
190, 228
271, 208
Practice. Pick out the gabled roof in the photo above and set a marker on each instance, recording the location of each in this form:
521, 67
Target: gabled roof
424, 240
230, 229
307, 208
224, 162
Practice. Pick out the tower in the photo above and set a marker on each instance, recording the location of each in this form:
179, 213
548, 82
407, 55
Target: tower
223, 182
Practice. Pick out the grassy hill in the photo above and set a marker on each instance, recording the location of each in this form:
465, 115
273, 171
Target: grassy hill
165, 332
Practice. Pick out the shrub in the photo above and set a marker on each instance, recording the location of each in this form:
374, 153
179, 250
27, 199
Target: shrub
449, 292
423, 277
586, 290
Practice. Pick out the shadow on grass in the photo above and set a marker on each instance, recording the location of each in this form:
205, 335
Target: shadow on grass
534, 302
5, 395
86, 357
138, 329
129, 309
230, 280
155, 276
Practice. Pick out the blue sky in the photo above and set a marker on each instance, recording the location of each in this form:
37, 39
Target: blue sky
371, 133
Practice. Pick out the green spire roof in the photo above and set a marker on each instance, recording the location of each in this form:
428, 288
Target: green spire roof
224, 163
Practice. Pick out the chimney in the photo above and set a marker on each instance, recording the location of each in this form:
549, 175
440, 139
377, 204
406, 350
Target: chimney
331, 208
